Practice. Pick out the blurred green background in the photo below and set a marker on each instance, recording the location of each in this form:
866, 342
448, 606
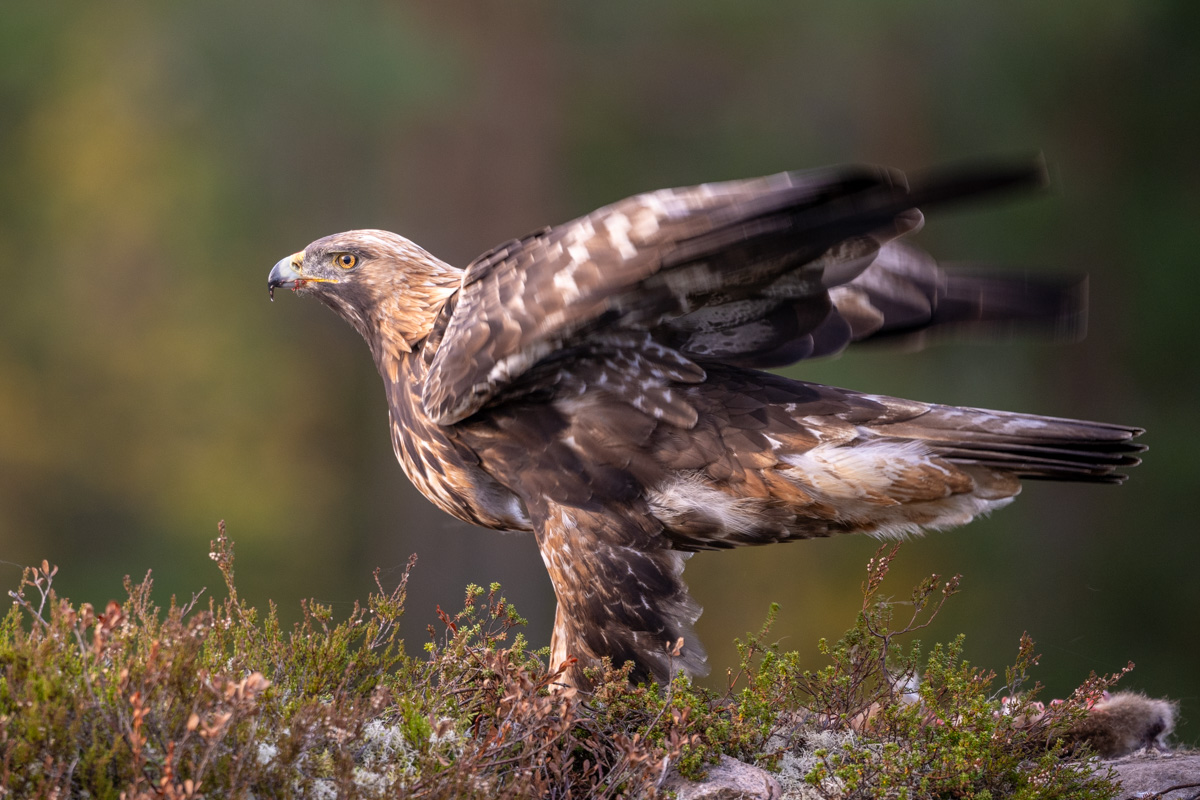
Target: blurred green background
157, 158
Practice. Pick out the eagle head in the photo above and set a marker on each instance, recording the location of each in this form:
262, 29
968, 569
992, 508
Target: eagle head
389, 289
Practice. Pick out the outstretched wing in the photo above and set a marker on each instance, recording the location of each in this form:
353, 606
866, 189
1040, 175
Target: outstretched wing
738, 272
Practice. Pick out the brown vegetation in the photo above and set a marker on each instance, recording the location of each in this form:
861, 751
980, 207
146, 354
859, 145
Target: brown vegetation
217, 701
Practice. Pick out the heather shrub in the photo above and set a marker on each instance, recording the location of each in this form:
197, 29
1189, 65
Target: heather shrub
213, 699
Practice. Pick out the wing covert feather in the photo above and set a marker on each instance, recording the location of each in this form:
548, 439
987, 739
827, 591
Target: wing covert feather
737, 272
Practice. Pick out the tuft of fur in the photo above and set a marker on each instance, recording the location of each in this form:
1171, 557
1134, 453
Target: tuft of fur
1125, 722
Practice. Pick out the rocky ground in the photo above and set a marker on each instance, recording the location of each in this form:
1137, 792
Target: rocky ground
1145, 775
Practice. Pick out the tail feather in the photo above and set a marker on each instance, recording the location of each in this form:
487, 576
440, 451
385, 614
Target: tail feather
1031, 467
1028, 446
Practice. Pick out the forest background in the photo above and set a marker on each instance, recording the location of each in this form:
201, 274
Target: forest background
157, 159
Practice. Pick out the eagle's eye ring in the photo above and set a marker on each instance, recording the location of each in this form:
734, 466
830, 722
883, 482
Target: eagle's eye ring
346, 260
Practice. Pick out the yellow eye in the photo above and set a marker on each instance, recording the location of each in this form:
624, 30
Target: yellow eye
345, 260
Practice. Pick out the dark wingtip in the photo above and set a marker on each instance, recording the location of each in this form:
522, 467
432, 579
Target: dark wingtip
979, 178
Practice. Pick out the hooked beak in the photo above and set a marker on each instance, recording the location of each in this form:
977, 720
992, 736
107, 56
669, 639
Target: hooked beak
286, 273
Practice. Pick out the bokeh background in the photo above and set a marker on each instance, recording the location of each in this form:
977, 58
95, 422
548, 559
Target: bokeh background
156, 159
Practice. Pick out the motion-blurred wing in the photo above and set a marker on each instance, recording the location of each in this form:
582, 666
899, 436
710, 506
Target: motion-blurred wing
905, 296
737, 272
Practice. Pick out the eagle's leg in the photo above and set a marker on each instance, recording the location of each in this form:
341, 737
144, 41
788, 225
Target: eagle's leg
620, 594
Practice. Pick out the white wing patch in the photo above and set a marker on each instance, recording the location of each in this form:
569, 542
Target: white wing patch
869, 486
866, 484
688, 494
861, 470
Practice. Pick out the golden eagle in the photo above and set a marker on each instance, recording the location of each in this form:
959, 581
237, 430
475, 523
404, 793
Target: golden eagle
598, 383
